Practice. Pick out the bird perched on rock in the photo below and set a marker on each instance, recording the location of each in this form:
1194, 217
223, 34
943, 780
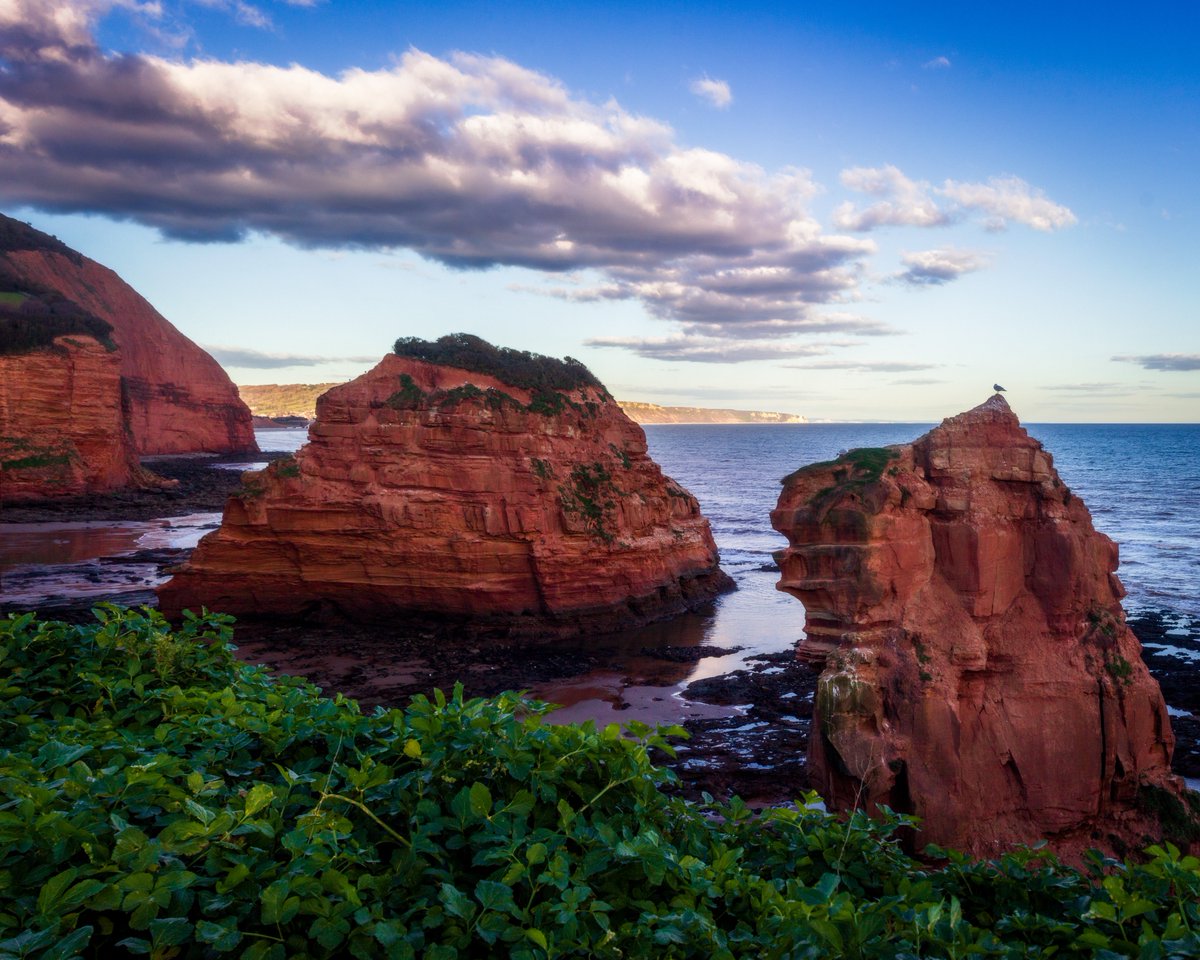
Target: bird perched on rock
998, 388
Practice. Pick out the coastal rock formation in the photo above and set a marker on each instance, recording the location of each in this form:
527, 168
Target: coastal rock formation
500, 489
177, 398
978, 671
62, 432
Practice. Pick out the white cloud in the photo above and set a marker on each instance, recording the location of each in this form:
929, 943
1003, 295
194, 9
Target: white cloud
258, 360
468, 160
1010, 198
935, 267
903, 202
937, 63
716, 92
911, 203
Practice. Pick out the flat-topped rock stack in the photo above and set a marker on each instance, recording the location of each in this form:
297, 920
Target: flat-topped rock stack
505, 493
977, 669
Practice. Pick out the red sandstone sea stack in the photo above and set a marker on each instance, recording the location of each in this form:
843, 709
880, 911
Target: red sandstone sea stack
514, 495
978, 671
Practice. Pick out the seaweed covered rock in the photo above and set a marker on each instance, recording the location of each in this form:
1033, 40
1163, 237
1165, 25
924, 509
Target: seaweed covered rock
977, 668
461, 482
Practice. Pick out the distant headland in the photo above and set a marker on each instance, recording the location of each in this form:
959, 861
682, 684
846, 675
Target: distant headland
276, 400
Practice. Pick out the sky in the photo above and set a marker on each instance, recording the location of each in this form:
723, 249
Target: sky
868, 211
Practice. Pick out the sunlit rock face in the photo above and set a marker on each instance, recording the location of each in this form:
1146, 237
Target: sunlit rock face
62, 433
978, 671
432, 491
177, 398
92, 376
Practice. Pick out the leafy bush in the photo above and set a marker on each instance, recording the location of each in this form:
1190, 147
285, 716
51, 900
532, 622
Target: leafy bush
158, 798
518, 368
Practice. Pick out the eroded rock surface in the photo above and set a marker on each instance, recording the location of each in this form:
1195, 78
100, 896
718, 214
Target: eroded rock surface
433, 490
61, 428
977, 668
177, 398
93, 377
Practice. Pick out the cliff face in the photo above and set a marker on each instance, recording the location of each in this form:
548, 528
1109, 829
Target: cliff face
428, 489
978, 671
61, 428
177, 398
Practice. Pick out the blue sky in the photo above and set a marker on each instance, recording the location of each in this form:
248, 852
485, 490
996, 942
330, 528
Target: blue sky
867, 211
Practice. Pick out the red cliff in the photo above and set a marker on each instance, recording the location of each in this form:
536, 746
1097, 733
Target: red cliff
177, 398
978, 671
61, 428
430, 490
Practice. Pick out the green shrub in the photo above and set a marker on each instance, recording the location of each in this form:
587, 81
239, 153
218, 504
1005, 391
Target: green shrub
158, 798
518, 368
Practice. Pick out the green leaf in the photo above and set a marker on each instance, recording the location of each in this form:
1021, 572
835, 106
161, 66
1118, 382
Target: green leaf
457, 903
169, 931
259, 796
277, 906
537, 937
481, 800
222, 935
495, 896
53, 889
412, 748
69, 946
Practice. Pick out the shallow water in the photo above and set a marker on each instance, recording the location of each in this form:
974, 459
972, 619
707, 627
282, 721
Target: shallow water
1142, 484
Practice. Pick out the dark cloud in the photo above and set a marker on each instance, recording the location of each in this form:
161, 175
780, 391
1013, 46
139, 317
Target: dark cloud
704, 350
471, 161
865, 366
1102, 388
257, 360
1164, 361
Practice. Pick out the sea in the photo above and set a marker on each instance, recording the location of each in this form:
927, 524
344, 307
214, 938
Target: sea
1140, 481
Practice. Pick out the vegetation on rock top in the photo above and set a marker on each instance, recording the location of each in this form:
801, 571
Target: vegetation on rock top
32, 315
158, 798
16, 235
518, 368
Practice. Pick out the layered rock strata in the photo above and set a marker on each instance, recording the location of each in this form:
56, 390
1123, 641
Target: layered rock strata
432, 491
177, 398
62, 432
978, 671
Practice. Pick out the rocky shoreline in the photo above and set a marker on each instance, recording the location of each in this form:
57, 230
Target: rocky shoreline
751, 742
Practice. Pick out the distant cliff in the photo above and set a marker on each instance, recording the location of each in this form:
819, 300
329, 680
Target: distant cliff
653, 413
300, 400
92, 376
488, 487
